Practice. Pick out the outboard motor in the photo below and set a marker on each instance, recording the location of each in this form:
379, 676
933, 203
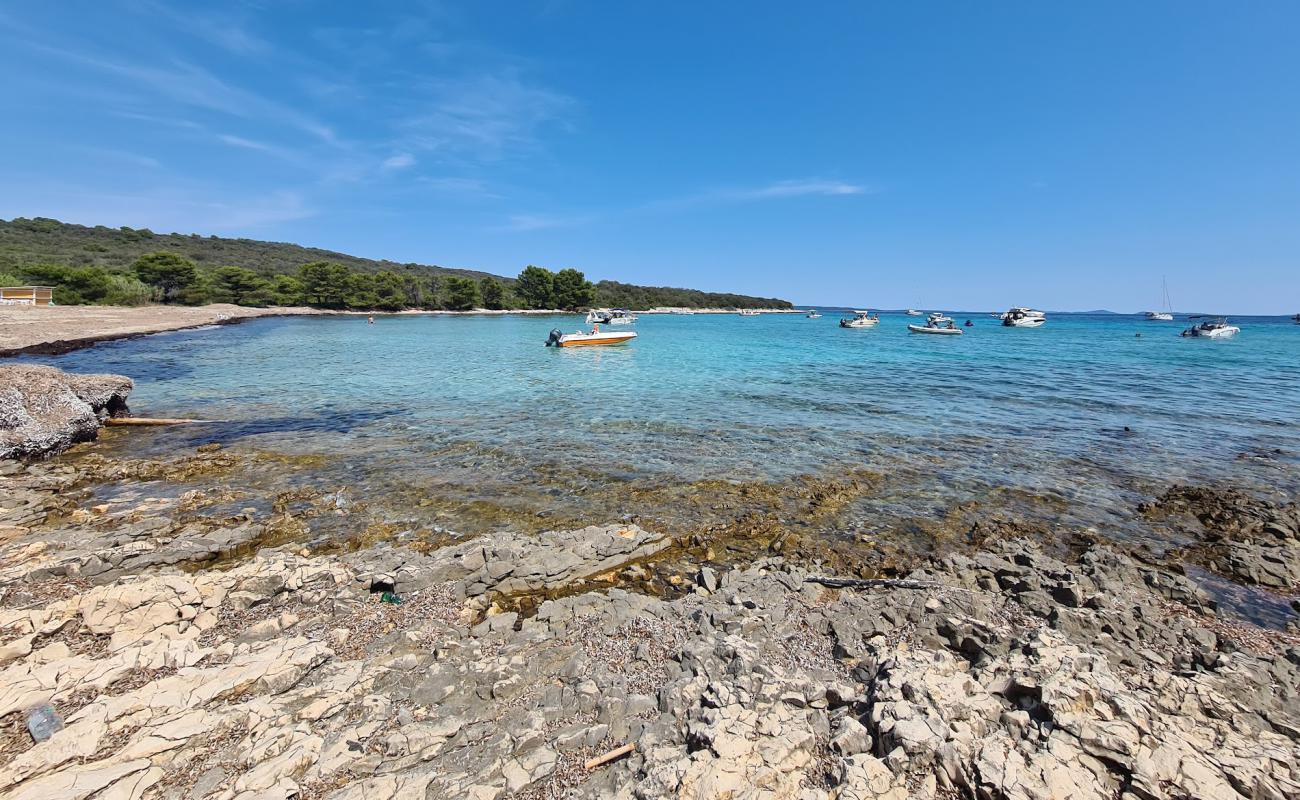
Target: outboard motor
554, 338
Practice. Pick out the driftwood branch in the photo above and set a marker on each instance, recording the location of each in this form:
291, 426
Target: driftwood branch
147, 421
605, 758
875, 583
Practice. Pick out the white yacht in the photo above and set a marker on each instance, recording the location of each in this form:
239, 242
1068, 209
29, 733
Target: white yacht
610, 316
941, 330
1217, 328
861, 319
912, 312
937, 318
1167, 313
812, 314
748, 312
1021, 317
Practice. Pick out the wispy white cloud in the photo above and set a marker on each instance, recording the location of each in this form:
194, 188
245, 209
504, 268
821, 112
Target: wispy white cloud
524, 223
777, 190
123, 156
246, 144
399, 161
154, 119
796, 188
191, 85
224, 30
485, 117
459, 185
274, 151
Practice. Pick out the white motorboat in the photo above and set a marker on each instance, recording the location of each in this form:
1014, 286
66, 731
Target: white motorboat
861, 319
1217, 328
938, 318
812, 314
1021, 317
610, 316
948, 330
748, 312
1167, 312
582, 339
912, 312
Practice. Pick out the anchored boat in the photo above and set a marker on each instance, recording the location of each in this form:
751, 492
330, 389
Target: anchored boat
597, 337
1020, 317
1217, 328
610, 316
935, 330
861, 319
912, 312
1167, 312
812, 314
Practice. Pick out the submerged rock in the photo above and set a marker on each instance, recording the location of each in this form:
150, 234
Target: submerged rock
44, 410
1244, 537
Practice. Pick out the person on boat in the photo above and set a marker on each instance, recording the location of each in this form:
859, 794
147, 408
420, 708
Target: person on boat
595, 329
951, 325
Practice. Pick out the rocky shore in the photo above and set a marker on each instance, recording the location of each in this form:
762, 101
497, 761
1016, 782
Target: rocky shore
195, 655
44, 410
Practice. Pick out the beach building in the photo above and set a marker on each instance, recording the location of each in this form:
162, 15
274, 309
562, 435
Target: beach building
26, 296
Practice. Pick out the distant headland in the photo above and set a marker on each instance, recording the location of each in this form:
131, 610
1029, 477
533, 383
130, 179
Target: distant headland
134, 266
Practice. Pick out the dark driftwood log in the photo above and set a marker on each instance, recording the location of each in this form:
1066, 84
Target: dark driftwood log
875, 583
617, 752
147, 421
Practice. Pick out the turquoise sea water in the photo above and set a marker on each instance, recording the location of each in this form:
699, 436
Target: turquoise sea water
1083, 417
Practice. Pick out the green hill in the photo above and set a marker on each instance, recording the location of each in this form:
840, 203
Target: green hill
24, 242
95, 265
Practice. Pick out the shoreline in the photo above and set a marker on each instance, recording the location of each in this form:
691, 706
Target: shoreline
55, 330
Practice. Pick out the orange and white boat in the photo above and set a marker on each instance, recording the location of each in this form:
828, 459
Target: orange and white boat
581, 339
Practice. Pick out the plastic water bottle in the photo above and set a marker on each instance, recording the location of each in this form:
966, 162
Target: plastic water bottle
43, 722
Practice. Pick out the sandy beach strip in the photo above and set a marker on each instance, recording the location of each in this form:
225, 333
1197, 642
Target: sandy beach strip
58, 329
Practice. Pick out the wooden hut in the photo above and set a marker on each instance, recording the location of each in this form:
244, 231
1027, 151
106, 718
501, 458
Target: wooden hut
26, 296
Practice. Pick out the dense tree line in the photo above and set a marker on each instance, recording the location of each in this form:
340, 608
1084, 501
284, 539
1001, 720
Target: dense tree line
165, 277
131, 266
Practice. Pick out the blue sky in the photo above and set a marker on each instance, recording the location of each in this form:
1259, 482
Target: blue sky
960, 155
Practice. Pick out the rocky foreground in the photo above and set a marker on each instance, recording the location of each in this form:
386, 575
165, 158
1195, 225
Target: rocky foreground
182, 667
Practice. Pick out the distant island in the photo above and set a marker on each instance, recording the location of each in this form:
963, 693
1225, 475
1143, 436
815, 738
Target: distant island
134, 266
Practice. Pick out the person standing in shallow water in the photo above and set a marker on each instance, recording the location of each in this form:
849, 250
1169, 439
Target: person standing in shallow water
370, 320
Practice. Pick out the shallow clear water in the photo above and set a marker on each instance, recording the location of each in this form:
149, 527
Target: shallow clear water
1082, 412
